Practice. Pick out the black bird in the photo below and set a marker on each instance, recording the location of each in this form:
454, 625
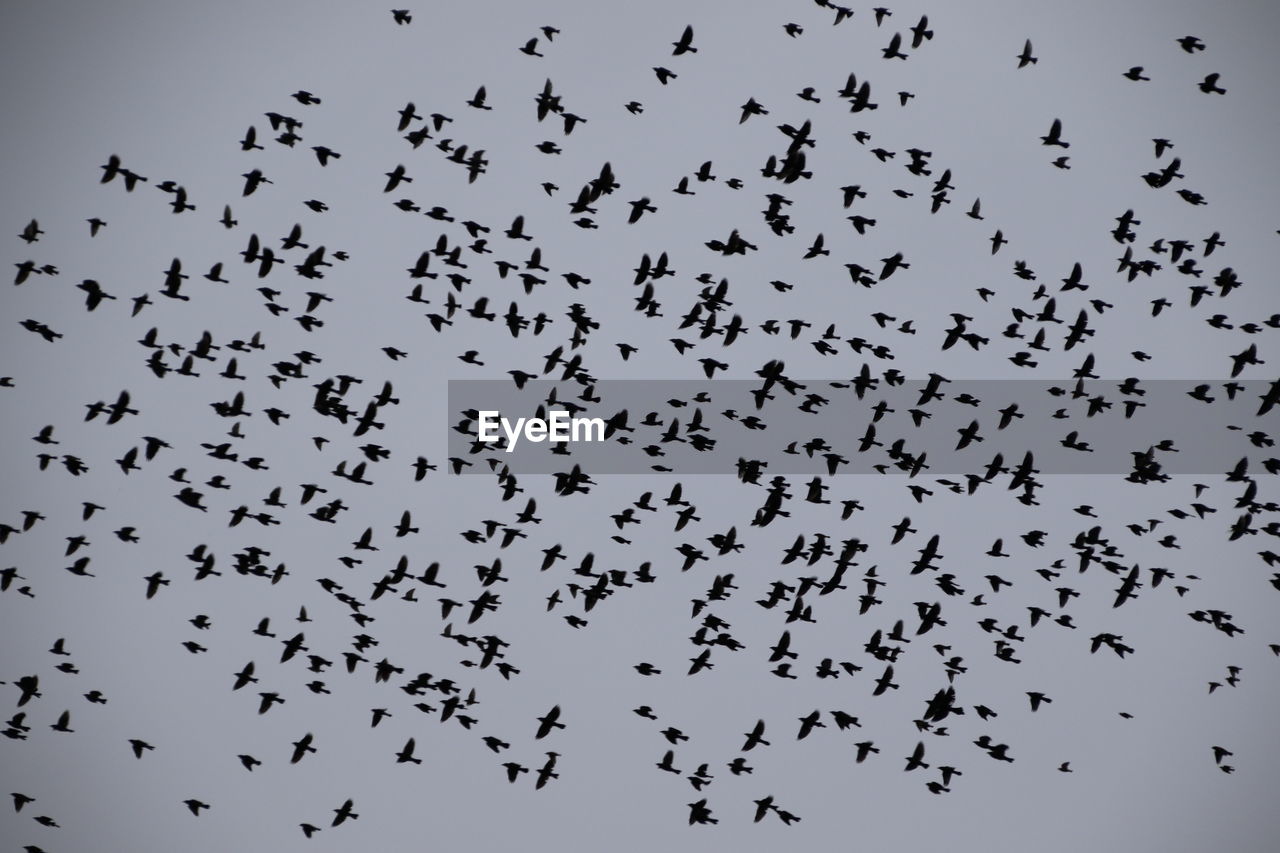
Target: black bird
406, 753
1054, 137
343, 812
1026, 58
1209, 85
477, 100
685, 44
548, 722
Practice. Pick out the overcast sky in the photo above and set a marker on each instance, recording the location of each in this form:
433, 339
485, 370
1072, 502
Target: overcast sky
171, 87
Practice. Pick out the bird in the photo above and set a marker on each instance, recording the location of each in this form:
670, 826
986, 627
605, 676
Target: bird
1054, 136
406, 753
477, 100
1026, 58
548, 723
31, 232
699, 813
1209, 85
755, 737
343, 813
194, 806
685, 44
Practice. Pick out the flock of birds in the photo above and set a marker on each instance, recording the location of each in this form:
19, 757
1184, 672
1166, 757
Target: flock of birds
226, 487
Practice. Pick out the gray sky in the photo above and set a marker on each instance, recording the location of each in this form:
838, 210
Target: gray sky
171, 87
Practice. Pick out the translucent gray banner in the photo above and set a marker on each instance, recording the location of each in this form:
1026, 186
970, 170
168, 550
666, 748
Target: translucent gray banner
780, 425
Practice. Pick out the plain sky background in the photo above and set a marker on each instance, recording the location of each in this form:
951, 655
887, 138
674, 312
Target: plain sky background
171, 87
